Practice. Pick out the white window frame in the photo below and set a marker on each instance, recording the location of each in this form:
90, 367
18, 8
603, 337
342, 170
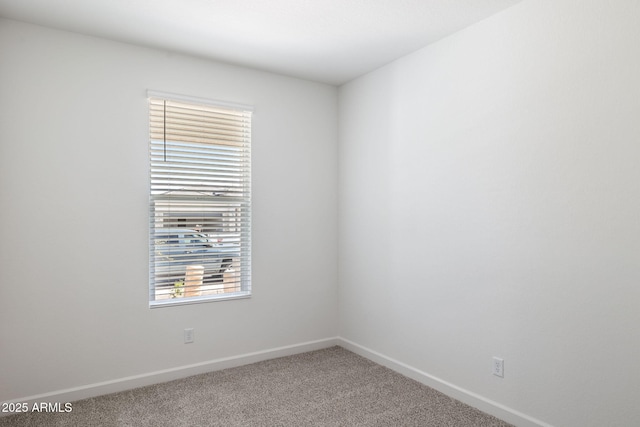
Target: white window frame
199, 200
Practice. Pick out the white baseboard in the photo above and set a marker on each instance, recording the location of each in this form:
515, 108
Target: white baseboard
128, 383
472, 399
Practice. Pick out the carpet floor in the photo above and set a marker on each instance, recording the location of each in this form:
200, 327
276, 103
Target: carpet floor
329, 387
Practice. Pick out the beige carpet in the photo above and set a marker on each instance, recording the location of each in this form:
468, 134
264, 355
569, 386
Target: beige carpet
330, 387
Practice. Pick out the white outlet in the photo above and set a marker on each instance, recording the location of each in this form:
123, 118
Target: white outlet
497, 368
188, 335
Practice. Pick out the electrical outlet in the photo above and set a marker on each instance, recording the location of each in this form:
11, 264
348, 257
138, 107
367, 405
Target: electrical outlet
188, 335
497, 368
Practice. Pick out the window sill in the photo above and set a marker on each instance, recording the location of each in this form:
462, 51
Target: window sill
199, 300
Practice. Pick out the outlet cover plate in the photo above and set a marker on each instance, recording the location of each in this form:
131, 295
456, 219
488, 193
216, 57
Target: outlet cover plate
497, 368
188, 336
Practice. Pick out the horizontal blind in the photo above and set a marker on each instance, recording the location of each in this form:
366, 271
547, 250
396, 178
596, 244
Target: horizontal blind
200, 202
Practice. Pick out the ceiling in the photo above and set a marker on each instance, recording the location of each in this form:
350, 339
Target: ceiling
330, 41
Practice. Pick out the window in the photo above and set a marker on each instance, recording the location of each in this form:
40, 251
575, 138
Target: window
200, 201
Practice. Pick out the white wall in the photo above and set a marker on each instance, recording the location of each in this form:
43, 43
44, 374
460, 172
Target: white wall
74, 202
490, 206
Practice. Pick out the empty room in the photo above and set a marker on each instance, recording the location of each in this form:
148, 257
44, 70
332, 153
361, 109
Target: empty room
411, 212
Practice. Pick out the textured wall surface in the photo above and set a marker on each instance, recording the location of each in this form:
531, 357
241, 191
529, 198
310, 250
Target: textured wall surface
74, 213
489, 206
